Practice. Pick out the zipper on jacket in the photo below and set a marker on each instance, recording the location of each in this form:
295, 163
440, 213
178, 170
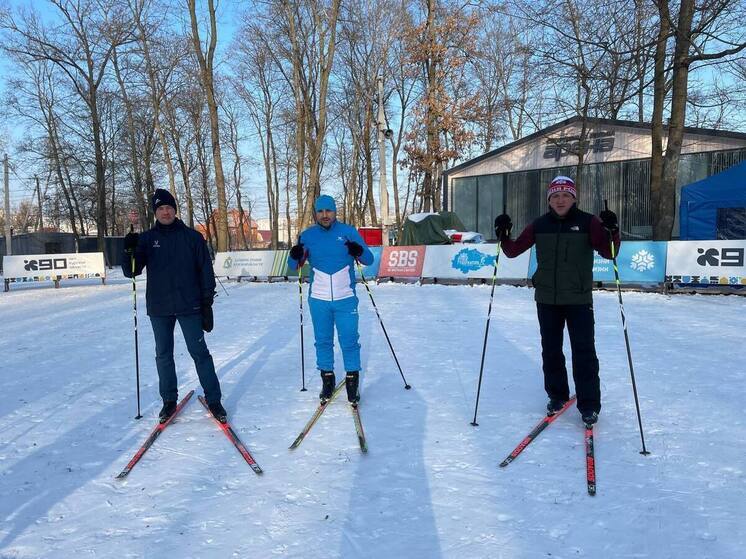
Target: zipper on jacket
331, 276
556, 260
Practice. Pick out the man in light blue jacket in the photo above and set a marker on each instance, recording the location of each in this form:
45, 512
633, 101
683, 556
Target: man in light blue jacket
331, 248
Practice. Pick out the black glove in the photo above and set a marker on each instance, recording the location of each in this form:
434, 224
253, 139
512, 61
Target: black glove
130, 242
503, 226
208, 321
609, 221
354, 249
297, 252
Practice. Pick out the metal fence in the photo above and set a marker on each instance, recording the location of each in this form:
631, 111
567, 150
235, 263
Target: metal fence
625, 184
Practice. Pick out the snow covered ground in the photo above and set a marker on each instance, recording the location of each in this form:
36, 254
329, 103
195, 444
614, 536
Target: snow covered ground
430, 485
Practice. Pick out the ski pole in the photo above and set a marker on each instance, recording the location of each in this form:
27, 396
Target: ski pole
221, 284
486, 333
302, 352
134, 313
360, 268
644, 451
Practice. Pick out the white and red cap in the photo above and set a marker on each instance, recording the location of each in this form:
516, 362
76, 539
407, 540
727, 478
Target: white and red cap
562, 184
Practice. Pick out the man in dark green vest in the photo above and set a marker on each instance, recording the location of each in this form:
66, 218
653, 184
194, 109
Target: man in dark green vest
565, 238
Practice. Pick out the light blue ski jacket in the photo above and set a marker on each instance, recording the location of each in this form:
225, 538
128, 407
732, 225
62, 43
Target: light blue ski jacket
332, 268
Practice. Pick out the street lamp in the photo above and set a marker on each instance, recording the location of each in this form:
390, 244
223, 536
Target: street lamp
384, 133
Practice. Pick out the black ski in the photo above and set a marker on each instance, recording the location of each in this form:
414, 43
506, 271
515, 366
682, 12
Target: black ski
319, 410
543, 424
155, 433
359, 427
590, 460
233, 438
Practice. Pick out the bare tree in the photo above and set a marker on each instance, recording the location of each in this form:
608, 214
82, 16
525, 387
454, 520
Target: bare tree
702, 33
81, 46
206, 61
260, 86
304, 42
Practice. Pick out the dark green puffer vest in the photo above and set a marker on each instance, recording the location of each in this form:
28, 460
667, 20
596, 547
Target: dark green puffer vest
564, 254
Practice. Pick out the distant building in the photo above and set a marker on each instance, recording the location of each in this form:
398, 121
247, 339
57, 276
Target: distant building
282, 230
514, 177
250, 238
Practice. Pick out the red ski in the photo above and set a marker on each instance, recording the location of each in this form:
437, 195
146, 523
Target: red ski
543, 424
233, 438
590, 460
157, 430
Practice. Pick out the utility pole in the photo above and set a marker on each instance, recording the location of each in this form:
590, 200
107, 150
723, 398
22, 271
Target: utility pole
38, 193
383, 134
8, 235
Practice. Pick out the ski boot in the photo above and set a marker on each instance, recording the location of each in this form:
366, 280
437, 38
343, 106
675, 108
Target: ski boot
554, 406
218, 411
168, 409
327, 387
352, 383
589, 418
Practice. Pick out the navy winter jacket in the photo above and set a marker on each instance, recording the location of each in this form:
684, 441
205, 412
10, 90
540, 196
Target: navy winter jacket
180, 275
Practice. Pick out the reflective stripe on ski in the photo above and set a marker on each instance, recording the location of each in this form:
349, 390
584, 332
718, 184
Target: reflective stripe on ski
315, 416
543, 424
590, 460
157, 430
233, 438
359, 427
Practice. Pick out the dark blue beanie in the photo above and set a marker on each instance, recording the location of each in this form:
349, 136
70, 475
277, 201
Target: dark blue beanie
163, 197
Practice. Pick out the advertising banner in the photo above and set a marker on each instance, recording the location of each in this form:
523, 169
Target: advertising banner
637, 261
248, 263
461, 261
49, 267
706, 262
402, 262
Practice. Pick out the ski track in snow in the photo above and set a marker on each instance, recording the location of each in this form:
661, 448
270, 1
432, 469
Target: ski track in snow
429, 487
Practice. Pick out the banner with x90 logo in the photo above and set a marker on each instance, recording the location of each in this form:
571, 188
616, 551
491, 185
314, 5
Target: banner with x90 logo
707, 262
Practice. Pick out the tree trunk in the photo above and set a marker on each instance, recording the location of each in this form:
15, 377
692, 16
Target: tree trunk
132, 141
100, 171
656, 132
156, 93
207, 79
663, 225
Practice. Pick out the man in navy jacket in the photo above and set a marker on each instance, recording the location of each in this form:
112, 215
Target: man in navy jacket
331, 248
180, 287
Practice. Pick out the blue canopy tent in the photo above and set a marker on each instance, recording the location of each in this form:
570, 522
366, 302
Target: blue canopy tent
715, 207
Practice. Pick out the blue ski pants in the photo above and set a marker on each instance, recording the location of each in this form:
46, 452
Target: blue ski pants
325, 315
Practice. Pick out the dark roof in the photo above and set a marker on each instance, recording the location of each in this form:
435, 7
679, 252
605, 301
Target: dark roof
596, 121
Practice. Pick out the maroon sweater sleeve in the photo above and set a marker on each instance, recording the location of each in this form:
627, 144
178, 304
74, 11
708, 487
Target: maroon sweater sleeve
600, 239
524, 242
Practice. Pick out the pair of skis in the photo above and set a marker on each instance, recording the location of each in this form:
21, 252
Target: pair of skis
321, 408
160, 427
590, 461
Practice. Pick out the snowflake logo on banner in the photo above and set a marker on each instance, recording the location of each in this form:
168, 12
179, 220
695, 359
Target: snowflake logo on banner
642, 261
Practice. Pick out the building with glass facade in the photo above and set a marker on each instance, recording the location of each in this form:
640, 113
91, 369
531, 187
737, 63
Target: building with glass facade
514, 178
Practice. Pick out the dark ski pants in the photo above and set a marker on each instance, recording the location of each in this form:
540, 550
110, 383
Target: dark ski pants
191, 328
580, 322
